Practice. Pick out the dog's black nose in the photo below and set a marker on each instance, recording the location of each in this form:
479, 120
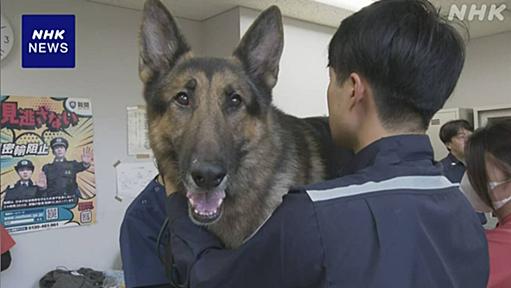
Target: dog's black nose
208, 176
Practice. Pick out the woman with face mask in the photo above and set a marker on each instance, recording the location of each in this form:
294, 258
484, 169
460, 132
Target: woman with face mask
488, 188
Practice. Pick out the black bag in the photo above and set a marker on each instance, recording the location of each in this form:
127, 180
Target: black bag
81, 278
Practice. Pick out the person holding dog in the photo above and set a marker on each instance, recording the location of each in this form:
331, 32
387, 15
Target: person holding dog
395, 221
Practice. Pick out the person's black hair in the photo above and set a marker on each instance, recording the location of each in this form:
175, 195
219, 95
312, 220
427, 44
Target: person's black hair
491, 143
411, 57
452, 128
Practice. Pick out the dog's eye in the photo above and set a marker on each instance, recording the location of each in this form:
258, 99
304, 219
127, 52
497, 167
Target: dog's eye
234, 100
182, 99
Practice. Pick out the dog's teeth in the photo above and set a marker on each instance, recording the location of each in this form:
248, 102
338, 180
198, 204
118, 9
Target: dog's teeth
206, 213
220, 202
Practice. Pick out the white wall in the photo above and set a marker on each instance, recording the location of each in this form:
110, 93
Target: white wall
192, 30
486, 77
220, 33
106, 72
303, 77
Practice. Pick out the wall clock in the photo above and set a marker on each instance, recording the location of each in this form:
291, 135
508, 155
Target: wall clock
6, 39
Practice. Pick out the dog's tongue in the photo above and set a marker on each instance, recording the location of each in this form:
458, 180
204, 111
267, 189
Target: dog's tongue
206, 202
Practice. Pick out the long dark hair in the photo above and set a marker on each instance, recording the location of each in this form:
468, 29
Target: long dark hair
492, 141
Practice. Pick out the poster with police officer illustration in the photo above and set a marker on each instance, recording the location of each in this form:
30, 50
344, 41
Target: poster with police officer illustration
47, 177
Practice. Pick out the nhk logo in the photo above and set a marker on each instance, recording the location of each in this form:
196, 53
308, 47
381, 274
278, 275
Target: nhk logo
48, 47
48, 41
483, 12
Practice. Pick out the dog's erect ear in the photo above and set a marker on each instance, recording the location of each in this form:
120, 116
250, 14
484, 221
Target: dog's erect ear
261, 47
161, 42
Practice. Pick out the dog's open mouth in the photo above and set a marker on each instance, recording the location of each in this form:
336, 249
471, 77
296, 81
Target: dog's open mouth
205, 208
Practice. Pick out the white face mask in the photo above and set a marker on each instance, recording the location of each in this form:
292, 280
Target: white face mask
475, 200
499, 204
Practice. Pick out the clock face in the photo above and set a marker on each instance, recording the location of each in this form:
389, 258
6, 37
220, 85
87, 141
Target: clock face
6, 38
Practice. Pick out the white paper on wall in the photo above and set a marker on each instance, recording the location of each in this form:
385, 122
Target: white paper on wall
133, 177
138, 140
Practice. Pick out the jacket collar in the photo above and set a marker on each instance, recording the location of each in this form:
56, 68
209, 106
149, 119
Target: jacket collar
453, 159
393, 150
30, 183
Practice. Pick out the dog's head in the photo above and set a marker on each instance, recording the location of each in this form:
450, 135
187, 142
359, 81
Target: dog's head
206, 114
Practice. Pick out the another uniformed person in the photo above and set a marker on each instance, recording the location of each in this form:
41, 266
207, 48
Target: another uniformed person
61, 173
454, 134
396, 221
24, 187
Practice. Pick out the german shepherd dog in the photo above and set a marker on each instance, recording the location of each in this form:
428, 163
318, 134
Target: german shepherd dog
214, 132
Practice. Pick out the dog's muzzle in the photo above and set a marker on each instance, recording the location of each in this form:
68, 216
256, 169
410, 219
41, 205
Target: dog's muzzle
206, 193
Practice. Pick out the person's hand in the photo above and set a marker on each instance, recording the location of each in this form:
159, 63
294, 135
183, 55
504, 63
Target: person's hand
87, 156
42, 181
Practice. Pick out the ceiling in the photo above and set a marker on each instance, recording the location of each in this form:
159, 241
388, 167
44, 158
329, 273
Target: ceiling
311, 11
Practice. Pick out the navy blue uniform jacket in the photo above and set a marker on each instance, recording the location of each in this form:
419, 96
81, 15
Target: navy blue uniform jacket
395, 222
453, 168
138, 238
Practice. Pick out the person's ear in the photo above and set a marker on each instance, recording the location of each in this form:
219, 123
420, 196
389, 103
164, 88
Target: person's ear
358, 90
